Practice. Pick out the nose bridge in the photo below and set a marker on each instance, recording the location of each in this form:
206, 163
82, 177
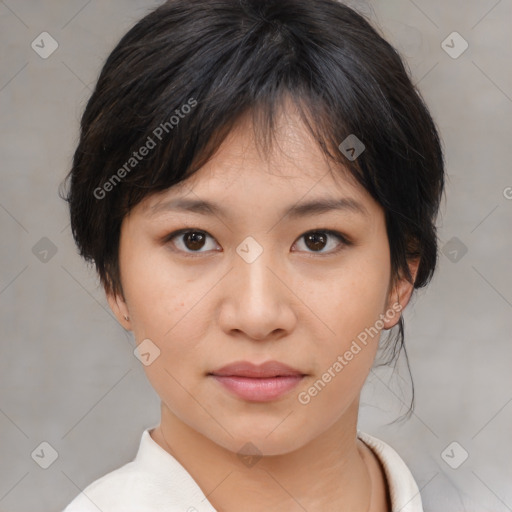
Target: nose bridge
253, 266
257, 298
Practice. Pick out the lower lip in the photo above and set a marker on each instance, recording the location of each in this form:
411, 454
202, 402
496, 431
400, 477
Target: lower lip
259, 390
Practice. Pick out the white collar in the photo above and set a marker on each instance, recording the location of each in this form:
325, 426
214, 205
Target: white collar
185, 494
404, 493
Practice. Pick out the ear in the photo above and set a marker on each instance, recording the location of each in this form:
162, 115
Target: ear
399, 295
119, 307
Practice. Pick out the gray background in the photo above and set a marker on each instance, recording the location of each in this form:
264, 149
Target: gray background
67, 370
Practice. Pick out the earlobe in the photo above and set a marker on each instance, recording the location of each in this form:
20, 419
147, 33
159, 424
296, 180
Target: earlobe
120, 309
400, 295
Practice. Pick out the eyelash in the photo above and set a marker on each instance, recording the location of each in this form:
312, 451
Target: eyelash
344, 241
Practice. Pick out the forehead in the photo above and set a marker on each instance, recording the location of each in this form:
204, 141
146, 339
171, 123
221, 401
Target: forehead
294, 170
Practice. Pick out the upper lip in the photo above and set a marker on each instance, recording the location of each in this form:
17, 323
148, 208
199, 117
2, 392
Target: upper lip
264, 370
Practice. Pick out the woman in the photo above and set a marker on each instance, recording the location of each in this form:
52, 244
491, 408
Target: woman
257, 183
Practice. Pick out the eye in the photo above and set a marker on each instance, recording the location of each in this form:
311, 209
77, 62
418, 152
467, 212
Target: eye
317, 240
190, 240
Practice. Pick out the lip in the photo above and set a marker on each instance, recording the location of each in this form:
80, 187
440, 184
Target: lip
261, 371
258, 383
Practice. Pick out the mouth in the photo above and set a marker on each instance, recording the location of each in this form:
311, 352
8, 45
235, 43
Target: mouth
258, 383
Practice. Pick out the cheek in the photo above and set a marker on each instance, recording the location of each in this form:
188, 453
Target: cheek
164, 303
354, 295
350, 305
154, 293
344, 353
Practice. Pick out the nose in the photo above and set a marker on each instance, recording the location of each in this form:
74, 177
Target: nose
257, 301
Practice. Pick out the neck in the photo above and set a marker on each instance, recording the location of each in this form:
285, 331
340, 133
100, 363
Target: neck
332, 472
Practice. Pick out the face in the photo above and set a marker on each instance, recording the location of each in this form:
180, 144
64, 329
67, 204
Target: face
247, 281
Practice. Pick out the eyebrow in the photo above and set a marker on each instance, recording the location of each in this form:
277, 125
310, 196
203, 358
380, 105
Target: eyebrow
314, 207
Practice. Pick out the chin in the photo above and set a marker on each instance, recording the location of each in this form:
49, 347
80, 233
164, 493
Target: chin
261, 441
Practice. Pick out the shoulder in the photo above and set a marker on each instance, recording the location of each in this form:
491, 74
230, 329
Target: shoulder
404, 493
116, 491
152, 481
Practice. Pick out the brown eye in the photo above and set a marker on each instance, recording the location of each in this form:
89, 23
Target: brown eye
193, 240
317, 241
190, 241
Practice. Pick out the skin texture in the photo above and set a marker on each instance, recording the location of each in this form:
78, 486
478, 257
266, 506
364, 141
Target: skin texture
300, 304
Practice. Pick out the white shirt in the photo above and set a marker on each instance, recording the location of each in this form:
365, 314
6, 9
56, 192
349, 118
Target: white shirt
154, 481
